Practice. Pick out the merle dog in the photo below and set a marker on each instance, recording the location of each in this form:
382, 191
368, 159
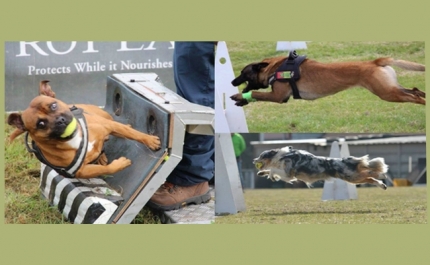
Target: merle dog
290, 165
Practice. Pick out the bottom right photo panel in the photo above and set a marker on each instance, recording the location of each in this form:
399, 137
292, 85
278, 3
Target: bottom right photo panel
321, 178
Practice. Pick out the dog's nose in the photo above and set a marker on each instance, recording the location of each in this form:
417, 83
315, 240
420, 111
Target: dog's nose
60, 121
236, 82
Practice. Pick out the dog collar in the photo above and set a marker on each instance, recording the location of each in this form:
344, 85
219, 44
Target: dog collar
69, 171
289, 71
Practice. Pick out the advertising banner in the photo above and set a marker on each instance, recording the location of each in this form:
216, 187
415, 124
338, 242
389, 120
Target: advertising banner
78, 70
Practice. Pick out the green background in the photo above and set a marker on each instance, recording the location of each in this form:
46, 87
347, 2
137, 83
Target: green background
213, 244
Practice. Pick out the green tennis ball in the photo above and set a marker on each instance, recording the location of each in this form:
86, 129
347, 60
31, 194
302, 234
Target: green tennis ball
258, 165
166, 158
70, 128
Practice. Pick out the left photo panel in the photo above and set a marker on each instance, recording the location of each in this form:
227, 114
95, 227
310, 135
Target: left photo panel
109, 132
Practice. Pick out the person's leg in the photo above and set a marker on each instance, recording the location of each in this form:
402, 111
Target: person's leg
193, 64
197, 164
239, 167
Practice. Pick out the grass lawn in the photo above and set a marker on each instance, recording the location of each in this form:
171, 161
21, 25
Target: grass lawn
355, 110
396, 205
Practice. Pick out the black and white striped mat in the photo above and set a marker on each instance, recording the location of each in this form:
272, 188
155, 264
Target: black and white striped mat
81, 201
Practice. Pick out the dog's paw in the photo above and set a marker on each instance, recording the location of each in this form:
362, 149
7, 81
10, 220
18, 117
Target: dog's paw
418, 92
102, 160
274, 178
153, 142
236, 97
120, 163
240, 101
263, 173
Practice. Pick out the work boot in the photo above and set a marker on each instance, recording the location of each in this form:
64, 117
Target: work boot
171, 197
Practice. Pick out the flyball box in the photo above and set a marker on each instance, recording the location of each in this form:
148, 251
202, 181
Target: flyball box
140, 100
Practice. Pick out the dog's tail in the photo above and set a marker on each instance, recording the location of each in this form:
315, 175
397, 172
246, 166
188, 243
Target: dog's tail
407, 65
378, 165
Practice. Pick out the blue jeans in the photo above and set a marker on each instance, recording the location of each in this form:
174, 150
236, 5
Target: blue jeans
194, 74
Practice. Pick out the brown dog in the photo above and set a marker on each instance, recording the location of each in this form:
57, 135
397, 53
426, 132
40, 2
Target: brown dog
324, 79
59, 135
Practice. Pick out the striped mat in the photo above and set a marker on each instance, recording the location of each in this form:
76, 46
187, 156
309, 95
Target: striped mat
81, 201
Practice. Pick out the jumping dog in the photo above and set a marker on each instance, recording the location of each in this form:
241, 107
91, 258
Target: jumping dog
323, 79
291, 165
70, 139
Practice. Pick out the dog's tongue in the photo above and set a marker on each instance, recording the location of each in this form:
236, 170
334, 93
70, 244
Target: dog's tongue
70, 129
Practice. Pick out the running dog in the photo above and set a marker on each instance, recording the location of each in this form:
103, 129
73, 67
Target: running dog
323, 79
291, 165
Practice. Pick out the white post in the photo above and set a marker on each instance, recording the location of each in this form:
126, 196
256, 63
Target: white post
290, 45
334, 188
228, 117
228, 189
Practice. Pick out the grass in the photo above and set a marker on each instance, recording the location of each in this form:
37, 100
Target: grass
24, 203
354, 110
396, 205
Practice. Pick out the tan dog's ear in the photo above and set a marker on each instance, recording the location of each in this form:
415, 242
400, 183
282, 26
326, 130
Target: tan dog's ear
15, 133
259, 66
45, 89
15, 119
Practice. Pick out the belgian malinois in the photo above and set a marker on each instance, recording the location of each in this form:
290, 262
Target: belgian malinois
324, 79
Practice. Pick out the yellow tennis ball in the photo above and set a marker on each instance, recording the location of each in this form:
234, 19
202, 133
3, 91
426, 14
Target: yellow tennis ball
258, 165
166, 158
70, 128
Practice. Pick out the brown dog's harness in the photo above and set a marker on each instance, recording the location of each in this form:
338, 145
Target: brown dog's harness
69, 171
289, 71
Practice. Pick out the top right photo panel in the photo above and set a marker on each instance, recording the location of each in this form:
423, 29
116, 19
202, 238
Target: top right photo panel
313, 86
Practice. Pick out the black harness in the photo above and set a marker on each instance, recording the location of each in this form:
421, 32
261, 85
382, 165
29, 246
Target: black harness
289, 71
69, 171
